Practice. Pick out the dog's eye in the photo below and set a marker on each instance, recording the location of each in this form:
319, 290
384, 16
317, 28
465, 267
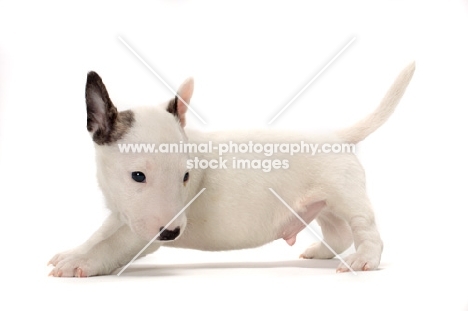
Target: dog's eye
186, 177
138, 176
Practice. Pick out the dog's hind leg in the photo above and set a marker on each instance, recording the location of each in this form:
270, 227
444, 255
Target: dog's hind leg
109, 248
356, 210
337, 237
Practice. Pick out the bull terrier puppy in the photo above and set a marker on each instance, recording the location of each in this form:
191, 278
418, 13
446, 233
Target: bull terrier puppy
240, 208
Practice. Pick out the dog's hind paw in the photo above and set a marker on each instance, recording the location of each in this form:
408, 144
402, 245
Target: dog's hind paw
359, 262
317, 251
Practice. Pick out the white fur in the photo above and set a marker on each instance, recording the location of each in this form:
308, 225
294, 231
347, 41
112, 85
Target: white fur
237, 210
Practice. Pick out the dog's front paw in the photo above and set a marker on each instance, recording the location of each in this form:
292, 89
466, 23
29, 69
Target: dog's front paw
359, 262
70, 264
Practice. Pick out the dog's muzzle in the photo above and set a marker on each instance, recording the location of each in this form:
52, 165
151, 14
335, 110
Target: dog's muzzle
168, 235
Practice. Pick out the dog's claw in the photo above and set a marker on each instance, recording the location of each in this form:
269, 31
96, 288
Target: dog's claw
79, 273
343, 270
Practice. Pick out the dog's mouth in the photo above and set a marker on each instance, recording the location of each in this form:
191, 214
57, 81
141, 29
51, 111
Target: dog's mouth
168, 235
155, 230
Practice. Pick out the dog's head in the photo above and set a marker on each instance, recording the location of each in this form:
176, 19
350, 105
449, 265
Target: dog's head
146, 189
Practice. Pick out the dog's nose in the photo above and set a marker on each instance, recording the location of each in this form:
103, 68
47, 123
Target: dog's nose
168, 235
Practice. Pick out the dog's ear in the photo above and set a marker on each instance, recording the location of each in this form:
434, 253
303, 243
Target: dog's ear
178, 106
102, 114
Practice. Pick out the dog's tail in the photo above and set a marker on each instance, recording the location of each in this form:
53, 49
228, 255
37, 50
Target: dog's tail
369, 124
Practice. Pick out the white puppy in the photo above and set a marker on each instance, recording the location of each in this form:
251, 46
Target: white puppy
144, 191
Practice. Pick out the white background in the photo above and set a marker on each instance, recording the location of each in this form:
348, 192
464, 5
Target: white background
248, 58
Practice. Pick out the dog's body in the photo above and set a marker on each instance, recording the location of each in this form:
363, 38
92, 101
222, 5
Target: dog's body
238, 209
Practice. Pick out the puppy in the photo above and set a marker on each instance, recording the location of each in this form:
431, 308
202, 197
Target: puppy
239, 207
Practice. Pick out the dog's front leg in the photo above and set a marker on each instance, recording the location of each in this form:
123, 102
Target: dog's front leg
109, 248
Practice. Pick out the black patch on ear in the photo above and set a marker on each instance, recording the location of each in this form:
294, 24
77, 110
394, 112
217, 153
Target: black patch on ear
172, 107
103, 120
120, 127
